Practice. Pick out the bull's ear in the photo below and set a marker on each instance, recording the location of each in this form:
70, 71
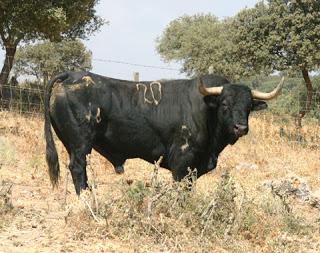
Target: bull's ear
258, 105
211, 101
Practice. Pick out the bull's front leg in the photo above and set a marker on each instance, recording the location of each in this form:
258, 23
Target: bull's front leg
180, 162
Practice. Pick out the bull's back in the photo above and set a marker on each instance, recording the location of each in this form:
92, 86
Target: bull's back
135, 119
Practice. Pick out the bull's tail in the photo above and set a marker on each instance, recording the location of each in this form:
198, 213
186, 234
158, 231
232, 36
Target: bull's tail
51, 151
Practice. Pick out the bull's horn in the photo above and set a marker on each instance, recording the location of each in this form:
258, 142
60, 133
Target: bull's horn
208, 91
268, 95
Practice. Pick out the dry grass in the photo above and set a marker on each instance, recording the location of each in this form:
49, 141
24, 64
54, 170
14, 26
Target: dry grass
233, 209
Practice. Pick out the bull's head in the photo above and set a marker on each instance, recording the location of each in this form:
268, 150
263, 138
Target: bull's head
233, 104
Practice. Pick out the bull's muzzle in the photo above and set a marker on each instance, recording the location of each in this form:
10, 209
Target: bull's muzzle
240, 130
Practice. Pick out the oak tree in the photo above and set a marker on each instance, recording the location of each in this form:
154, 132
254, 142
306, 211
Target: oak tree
45, 59
200, 42
279, 35
24, 21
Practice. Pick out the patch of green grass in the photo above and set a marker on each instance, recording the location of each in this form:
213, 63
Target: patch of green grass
296, 225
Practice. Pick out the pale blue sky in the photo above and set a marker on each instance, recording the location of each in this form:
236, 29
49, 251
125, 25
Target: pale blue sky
134, 27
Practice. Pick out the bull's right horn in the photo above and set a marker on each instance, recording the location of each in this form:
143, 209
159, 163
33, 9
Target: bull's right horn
208, 91
268, 95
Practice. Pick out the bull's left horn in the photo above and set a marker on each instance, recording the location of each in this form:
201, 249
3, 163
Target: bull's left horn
268, 95
208, 91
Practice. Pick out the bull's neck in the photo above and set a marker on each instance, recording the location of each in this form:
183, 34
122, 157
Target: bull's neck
217, 136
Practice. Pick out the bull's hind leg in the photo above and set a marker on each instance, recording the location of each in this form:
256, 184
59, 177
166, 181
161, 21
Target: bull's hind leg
78, 170
78, 142
77, 149
72, 120
78, 145
78, 163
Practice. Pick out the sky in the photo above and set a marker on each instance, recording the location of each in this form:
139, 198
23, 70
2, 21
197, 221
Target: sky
133, 29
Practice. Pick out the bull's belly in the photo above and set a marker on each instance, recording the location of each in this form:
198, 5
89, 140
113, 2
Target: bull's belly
127, 147
117, 151
123, 139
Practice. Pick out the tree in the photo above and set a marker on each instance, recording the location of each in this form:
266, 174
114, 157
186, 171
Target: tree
279, 35
200, 42
24, 21
45, 59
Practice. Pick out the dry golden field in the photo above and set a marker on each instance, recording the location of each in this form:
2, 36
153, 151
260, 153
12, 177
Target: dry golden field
264, 196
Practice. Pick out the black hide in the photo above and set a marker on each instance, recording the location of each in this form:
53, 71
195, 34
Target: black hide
123, 119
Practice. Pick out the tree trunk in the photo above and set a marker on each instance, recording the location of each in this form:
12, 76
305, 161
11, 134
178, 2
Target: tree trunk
45, 79
7, 65
307, 106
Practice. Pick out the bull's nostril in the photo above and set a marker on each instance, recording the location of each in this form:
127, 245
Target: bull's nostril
240, 129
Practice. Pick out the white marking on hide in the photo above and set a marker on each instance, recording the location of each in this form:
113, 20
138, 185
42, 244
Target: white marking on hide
156, 102
88, 80
88, 116
185, 131
98, 117
185, 134
144, 92
185, 146
146, 100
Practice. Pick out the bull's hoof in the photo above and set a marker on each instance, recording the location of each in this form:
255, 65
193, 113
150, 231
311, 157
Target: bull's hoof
119, 169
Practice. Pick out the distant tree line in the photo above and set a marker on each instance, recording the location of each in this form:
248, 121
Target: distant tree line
45, 59
29, 21
275, 35
41, 38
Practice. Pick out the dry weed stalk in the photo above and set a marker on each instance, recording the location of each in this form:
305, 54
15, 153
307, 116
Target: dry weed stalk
162, 215
85, 197
90, 209
94, 184
5, 197
65, 185
170, 213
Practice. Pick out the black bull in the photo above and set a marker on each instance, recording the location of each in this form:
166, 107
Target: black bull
188, 122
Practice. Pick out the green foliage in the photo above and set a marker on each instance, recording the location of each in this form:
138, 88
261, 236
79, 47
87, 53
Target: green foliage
200, 42
37, 19
137, 193
25, 20
293, 96
226, 209
45, 59
278, 35
296, 225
